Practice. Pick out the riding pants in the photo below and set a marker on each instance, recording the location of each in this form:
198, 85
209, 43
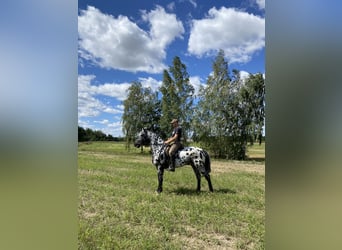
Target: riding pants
173, 148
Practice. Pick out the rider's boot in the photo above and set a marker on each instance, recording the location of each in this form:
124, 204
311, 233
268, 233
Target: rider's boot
172, 163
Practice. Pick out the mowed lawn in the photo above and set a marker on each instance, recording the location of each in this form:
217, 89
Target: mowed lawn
119, 208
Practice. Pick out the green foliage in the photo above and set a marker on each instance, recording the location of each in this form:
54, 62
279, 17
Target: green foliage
177, 97
141, 109
229, 112
91, 135
118, 208
255, 96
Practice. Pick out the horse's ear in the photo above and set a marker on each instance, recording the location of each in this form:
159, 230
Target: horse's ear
155, 128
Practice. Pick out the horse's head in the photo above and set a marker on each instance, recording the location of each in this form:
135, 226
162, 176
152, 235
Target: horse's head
142, 139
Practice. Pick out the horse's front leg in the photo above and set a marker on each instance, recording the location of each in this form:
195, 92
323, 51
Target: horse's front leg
160, 178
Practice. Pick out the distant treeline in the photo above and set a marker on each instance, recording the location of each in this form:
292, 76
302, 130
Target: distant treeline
95, 135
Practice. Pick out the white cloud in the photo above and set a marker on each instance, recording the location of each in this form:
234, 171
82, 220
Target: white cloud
115, 124
150, 83
164, 27
89, 105
119, 43
238, 33
196, 82
244, 74
116, 90
193, 2
261, 4
171, 6
109, 128
104, 121
114, 129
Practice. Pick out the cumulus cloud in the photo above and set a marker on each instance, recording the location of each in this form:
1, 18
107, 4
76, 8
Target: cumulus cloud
196, 82
261, 4
118, 43
244, 74
116, 90
150, 83
164, 27
238, 33
88, 103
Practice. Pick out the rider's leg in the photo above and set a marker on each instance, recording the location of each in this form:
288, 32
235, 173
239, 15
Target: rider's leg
172, 153
167, 153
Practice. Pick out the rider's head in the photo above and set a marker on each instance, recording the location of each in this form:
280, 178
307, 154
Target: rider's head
174, 123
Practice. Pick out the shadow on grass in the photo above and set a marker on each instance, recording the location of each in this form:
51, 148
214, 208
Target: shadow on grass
257, 159
188, 191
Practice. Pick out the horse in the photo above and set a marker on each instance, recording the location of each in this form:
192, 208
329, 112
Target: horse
196, 157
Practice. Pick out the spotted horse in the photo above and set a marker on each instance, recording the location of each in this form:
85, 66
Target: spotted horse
196, 157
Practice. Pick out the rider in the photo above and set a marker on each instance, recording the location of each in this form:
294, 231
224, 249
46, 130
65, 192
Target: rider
174, 143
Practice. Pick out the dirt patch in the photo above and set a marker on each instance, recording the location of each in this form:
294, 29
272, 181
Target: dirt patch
200, 240
217, 166
232, 166
88, 215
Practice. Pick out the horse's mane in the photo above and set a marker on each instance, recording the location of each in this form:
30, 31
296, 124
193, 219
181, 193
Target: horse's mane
156, 135
158, 132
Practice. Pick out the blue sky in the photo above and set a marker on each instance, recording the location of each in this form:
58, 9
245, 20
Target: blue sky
124, 41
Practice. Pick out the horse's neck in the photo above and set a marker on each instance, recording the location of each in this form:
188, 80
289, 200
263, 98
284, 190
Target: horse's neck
156, 142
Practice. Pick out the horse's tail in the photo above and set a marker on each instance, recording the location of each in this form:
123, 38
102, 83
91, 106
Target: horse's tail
207, 162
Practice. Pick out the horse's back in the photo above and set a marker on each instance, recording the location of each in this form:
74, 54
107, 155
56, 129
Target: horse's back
197, 157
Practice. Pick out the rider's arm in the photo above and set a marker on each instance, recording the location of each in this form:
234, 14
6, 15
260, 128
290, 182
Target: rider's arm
172, 139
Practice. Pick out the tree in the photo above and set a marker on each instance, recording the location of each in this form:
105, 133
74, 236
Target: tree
141, 109
212, 112
91, 135
82, 136
229, 111
255, 86
177, 97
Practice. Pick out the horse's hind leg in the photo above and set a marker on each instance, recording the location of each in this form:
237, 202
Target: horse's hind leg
207, 177
198, 177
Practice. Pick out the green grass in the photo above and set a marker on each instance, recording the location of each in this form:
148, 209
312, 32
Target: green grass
256, 152
119, 209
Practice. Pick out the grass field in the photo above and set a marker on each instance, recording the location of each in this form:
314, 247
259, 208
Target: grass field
119, 209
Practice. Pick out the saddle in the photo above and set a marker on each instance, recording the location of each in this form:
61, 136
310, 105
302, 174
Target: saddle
168, 158
180, 148
168, 146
